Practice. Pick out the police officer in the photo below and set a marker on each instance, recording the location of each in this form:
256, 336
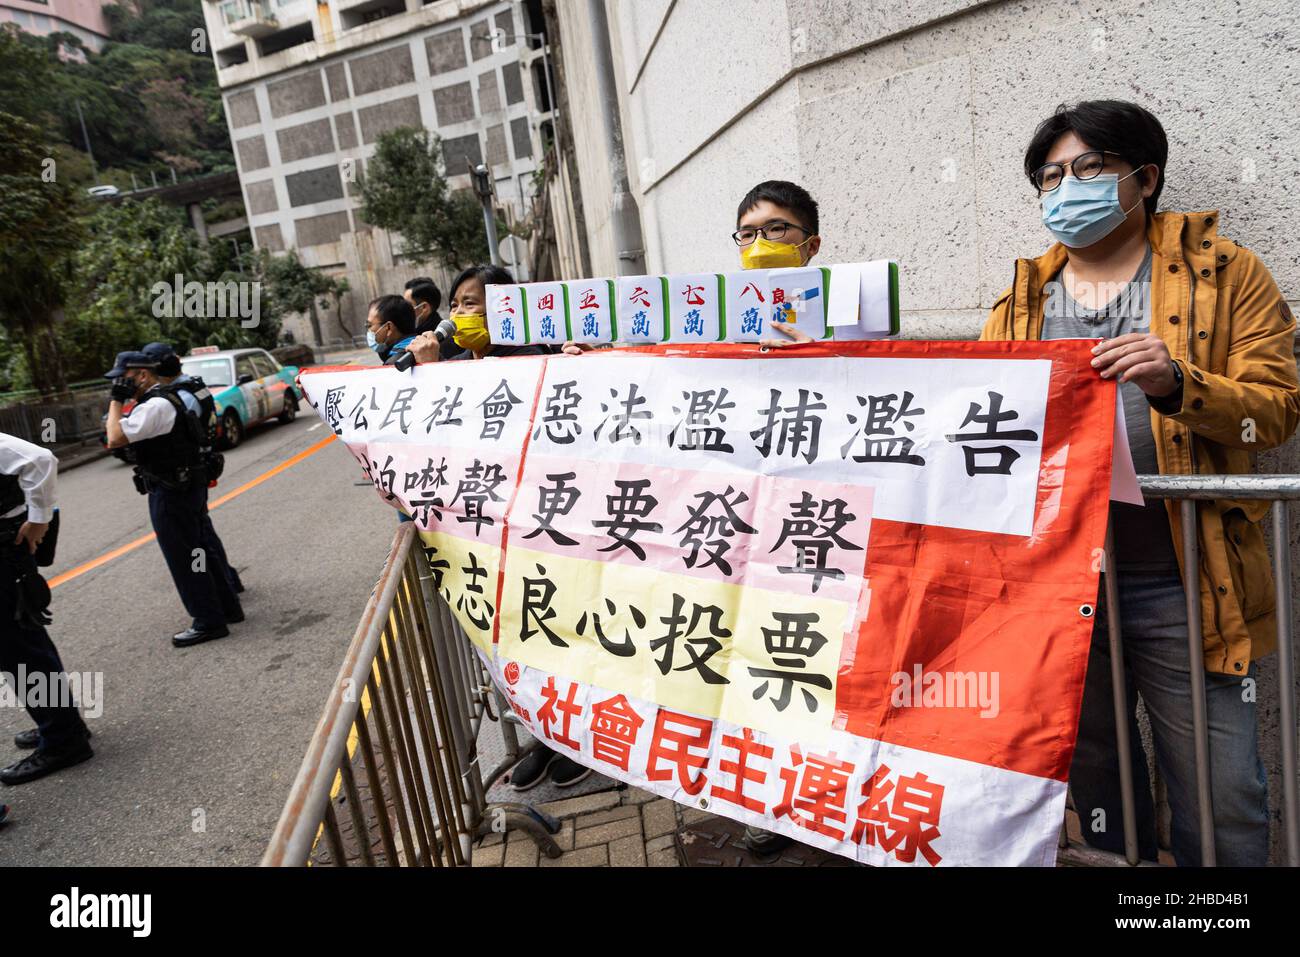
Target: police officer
169, 470
199, 402
60, 738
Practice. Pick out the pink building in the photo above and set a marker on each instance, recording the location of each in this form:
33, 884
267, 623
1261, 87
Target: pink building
84, 18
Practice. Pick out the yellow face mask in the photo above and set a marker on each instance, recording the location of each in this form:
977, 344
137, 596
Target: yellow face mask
471, 332
764, 254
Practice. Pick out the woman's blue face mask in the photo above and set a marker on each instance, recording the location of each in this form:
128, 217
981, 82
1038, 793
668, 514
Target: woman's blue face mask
1081, 212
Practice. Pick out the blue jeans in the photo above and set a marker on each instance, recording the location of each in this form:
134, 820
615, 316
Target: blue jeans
1154, 627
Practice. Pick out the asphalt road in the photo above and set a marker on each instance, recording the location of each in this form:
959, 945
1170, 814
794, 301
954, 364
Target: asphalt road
196, 748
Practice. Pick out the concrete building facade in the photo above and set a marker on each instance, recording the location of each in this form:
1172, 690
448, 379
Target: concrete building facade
309, 87
82, 18
907, 120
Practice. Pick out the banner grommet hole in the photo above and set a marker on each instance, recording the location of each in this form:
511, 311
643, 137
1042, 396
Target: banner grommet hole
1086, 610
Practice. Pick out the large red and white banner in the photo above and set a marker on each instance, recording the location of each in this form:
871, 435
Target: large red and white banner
842, 592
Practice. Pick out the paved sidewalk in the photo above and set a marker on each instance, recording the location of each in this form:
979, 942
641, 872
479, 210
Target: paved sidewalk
622, 828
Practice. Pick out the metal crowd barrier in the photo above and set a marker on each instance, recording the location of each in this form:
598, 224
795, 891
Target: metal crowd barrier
403, 717
1188, 490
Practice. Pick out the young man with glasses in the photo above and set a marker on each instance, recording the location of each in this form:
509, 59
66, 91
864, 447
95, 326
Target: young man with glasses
776, 225
1200, 340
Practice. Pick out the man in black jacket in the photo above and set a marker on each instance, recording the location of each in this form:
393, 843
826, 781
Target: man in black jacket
425, 297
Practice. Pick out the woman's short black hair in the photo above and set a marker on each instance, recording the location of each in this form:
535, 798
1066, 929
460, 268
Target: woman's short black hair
395, 309
485, 273
1120, 127
778, 192
424, 289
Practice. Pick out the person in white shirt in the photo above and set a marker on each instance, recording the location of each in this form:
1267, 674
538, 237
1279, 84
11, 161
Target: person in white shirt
28, 475
199, 403
169, 469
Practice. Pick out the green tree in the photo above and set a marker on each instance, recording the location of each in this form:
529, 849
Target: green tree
150, 97
405, 190
289, 287
126, 271
40, 229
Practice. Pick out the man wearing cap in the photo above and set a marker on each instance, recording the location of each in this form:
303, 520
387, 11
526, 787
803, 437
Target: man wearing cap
169, 470
194, 392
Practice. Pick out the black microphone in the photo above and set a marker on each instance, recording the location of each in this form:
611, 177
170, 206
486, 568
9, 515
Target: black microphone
444, 329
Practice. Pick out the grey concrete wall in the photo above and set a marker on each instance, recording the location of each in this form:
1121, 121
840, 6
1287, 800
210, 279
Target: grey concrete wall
907, 120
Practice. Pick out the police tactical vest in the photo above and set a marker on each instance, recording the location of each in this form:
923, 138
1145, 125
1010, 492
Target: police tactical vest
167, 456
207, 404
11, 494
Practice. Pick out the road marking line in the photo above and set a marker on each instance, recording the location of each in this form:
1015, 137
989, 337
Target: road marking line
132, 546
316, 426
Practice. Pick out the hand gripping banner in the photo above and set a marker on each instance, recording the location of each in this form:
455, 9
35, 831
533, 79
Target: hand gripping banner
843, 592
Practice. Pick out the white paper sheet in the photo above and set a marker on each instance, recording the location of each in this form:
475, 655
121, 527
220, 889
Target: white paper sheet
1123, 476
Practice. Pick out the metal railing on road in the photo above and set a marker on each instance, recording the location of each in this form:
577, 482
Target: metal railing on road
403, 717
55, 421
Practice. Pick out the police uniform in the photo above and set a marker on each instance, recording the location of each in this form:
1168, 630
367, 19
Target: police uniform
199, 403
169, 470
27, 482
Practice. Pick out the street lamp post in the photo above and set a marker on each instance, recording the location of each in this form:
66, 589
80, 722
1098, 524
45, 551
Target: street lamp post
482, 178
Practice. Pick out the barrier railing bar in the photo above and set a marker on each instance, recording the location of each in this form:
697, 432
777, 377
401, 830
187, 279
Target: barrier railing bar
333, 836
461, 740
451, 811
305, 807
391, 769
1286, 680
372, 776
1204, 487
470, 802
1119, 700
413, 695
360, 827
1196, 668
423, 724
424, 719
393, 691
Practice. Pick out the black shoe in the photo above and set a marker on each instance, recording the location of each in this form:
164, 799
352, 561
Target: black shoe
31, 738
566, 772
529, 772
4, 812
40, 763
236, 618
764, 845
196, 636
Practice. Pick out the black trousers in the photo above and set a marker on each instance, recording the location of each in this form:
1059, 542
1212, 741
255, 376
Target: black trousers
30, 648
232, 576
194, 554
